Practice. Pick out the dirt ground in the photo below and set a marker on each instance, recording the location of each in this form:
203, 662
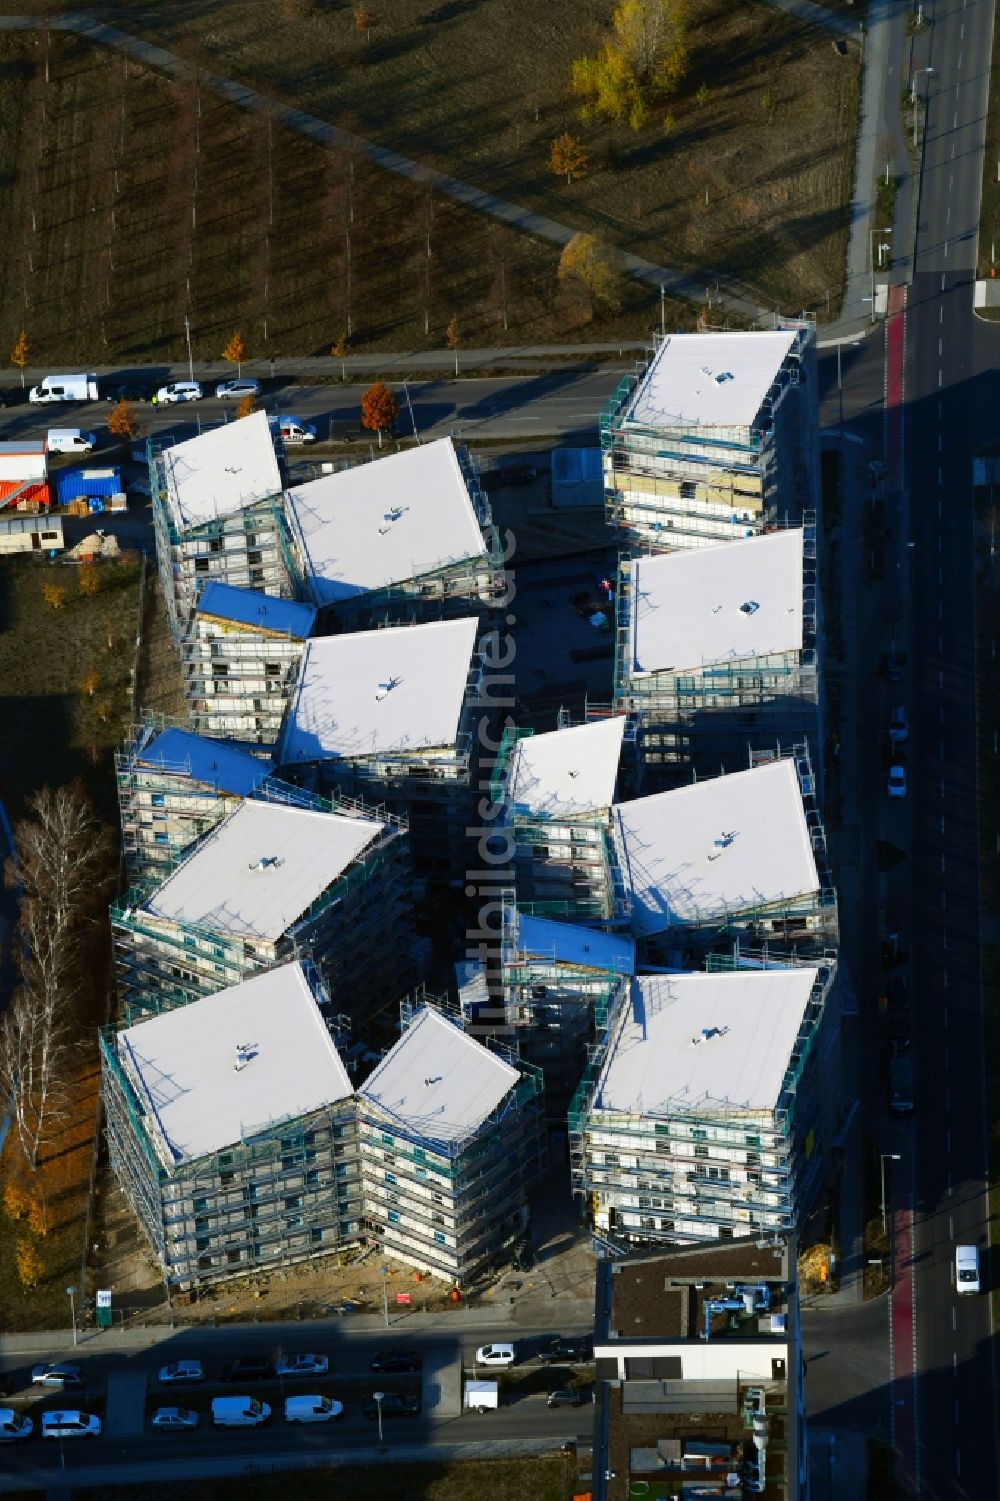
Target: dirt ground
151, 199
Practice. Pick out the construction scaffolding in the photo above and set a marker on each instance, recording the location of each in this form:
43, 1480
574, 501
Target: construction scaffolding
358, 933
452, 1202
285, 1193
686, 1171
248, 547
707, 718
692, 483
564, 865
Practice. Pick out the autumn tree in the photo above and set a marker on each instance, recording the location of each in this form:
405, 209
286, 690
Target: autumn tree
569, 156
644, 58
122, 420
54, 595
235, 351
30, 1264
453, 338
247, 406
90, 682
379, 409
39, 1219
17, 1199
366, 18
19, 354
588, 265
89, 580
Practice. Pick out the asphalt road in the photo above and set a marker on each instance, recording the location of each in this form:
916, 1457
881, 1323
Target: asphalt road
525, 1418
563, 404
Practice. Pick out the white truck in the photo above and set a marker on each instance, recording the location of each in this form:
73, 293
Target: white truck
481, 1396
64, 388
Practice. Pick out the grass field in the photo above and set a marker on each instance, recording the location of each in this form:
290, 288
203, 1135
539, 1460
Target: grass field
150, 199
500, 1480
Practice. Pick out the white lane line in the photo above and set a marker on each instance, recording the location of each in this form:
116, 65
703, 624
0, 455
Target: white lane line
942, 860
940, 380
941, 650
954, 122
940, 713
940, 435
941, 685
945, 1017
961, 33
940, 482
954, 1326
944, 901
953, 150
940, 581
954, 1363
947, 217
940, 403
940, 609
959, 63
944, 938
944, 986
940, 505
940, 538
940, 353
940, 314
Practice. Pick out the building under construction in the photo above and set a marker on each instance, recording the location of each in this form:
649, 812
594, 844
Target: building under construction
268, 884
702, 1112
218, 515
173, 787
718, 652
451, 1142
714, 438
404, 538
556, 792
239, 656
737, 857
231, 1129
389, 716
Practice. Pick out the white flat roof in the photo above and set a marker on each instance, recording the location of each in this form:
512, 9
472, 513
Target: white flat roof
438, 1082
258, 870
221, 471
566, 771
683, 383
384, 523
728, 844
715, 604
369, 692
182, 1065
705, 1041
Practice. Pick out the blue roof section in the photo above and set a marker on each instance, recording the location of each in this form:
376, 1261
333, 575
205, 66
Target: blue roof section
219, 765
261, 612
568, 943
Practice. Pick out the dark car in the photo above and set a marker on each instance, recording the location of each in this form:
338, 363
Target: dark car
394, 1361
248, 1368
393, 1406
896, 994
899, 1032
567, 1396
572, 1350
129, 390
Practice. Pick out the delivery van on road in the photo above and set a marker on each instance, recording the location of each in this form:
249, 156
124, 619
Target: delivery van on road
239, 1412
64, 388
70, 440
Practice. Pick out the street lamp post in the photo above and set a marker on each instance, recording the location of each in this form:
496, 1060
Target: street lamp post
885, 1157
663, 311
385, 1294
378, 1407
913, 95
71, 1294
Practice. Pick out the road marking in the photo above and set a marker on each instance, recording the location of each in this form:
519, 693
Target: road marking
944, 986
940, 435
940, 504
940, 403
959, 64
947, 217
961, 34
946, 249
954, 123
946, 1018
941, 685
940, 320
940, 380
944, 938
954, 1326
940, 581
940, 353
940, 538
953, 150
941, 649
940, 608
940, 482
942, 288
942, 860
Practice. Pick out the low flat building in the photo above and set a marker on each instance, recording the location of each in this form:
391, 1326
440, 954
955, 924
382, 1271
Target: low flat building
405, 537
389, 716
700, 1376
25, 532
218, 515
239, 657
268, 884
714, 438
556, 791
717, 652
704, 1113
173, 787
733, 857
231, 1131
451, 1142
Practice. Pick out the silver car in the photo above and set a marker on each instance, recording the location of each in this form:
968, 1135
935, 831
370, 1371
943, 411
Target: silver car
171, 1419
56, 1374
236, 390
181, 1373
302, 1365
70, 1425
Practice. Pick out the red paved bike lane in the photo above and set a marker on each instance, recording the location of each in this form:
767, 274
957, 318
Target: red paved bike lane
895, 355
903, 1354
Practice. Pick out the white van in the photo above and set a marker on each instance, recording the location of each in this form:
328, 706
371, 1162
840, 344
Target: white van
70, 440
239, 1412
64, 388
293, 430
966, 1269
312, 1409
14, 1427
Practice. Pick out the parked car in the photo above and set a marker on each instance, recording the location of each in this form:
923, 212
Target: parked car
896, 783
567, 1350
236, 390
70, 1425
174, 1419
57, 1374
181, 1373
13, 1427
568, 1396
899, 728
248, 1368
496, 1355
394, 1361
177, 390
312, 1410
302, 1365
129, 390
394, 1405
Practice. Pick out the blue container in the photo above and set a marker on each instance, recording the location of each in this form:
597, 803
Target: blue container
87, 484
